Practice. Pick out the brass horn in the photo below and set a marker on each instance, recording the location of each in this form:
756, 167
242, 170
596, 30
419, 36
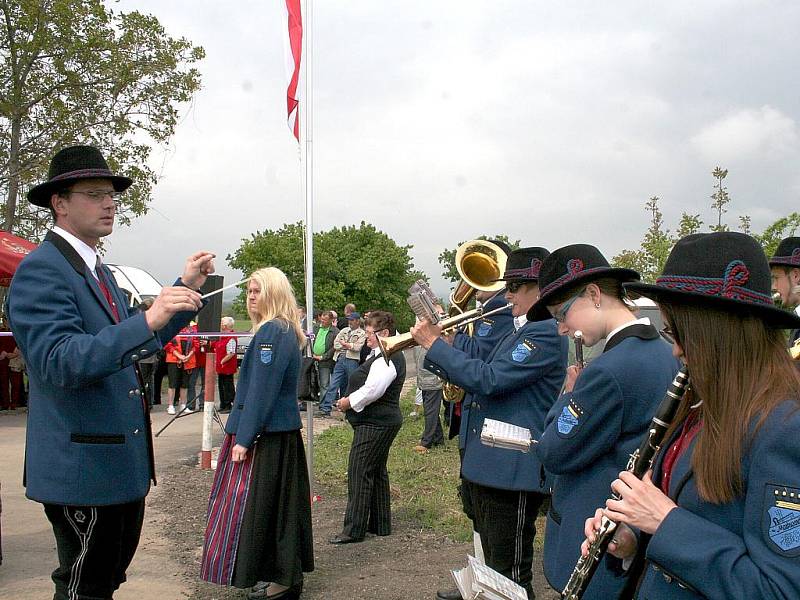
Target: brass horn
395, 343
479, 263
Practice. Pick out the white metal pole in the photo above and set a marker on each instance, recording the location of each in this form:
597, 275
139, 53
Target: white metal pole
307, 154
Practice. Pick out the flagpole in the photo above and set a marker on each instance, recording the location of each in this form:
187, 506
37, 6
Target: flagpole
307, 154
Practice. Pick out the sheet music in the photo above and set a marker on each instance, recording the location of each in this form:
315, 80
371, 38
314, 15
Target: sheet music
506, 435
476, 581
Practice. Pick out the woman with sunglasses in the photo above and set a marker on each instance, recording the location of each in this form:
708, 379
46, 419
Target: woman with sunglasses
372, 407
720, 516
604, 409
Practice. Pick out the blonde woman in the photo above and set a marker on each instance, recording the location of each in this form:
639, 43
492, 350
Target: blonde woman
259, 513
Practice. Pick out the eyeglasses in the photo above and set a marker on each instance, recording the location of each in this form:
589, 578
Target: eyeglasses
561, 315
667, 333
512, 287
97, 195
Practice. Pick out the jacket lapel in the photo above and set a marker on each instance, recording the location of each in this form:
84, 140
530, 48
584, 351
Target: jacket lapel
76, 262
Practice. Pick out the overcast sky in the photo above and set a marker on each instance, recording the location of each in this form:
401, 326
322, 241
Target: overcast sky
438, 121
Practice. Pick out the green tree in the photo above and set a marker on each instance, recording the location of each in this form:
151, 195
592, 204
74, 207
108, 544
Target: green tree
357, 264
781, 228
688, 225
74, 71
720, 197
447, 258
656, 244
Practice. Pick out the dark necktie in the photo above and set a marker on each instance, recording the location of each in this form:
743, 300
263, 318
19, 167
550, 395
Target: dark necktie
101, 280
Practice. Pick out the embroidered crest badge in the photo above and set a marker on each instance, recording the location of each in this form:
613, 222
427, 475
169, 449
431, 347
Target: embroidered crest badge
484, 329
265, 351
523, 350
782, 518
569, 418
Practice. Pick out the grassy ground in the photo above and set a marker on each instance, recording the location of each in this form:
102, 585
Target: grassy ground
423, 485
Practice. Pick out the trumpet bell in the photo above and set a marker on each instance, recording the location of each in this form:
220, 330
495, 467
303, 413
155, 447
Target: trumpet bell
480, 263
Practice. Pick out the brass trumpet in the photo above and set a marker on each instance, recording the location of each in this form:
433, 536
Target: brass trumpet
394, 343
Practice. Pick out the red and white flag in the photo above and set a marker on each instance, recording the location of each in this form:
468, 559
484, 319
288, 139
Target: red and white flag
293, 51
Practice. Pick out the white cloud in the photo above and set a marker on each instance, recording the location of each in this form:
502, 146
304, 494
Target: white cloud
749, 134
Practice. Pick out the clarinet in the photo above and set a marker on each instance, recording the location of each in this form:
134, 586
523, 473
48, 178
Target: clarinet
578, 338
638, 464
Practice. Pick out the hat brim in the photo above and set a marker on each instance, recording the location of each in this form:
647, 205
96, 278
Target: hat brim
41, 194
780, 263
772, 316
539, 312
521, 279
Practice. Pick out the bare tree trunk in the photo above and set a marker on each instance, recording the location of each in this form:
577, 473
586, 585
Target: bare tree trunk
13, 174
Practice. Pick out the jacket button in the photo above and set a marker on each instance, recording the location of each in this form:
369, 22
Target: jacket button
130, 393
682, 586
135, 431
474, 430
667, 578
134, 357
143, 351
656, 569
478, 405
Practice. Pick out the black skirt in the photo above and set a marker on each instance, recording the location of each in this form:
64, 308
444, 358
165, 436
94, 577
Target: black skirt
275, 540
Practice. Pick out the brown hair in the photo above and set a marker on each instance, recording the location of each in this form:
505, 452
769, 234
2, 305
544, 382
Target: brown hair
741, 371
609, 286
381, 319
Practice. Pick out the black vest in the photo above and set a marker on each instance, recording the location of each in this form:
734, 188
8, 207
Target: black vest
385, 410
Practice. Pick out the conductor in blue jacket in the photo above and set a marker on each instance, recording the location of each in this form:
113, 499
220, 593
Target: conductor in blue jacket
89, 454
517, 383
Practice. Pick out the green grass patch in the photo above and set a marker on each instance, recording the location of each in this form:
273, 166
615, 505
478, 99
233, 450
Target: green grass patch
424, 486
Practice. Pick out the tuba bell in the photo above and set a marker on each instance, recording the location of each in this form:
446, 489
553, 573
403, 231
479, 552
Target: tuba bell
479, 263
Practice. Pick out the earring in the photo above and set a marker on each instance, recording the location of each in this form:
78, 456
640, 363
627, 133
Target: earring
597, 305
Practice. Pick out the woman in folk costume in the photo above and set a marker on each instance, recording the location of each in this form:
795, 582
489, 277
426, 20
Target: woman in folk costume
720, 516
259, 512
604, 409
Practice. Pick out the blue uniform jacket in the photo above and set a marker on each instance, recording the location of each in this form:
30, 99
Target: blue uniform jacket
488, 331
87, 441
745, 549
517, 384
588, 437
266, 398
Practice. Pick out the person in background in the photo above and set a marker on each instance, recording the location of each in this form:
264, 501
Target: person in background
372, 407
225, 354
259, 509
785, 269
148, 365
430, 387
348, 344
324, 335
7, 346
180, 353
717, 517
341, 322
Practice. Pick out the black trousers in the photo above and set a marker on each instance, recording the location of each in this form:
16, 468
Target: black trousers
368, 497
226, 390
95, 546
432, 405
506, 522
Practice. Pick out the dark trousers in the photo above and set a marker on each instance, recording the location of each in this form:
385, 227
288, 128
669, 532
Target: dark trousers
193, 397
368, 498
432, 405
226, 390
95, 546
506, 522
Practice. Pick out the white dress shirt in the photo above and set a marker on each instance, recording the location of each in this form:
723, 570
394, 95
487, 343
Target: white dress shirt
86, 252
378, 379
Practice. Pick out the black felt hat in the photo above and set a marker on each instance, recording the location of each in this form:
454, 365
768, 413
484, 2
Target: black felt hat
726, 270
787, 254
524, 264
568, 268
72, 164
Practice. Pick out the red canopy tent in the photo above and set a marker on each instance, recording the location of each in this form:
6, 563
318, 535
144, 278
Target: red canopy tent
12, 250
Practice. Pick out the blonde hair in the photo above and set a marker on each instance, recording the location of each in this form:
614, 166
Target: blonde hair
275, 301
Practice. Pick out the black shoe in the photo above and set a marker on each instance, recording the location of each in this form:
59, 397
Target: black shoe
224, 409
344, 539
448, 595
259, 592
322, 414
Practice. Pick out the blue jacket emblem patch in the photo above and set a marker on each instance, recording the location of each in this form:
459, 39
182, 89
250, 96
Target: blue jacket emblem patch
484, 329
784, 528
566, 421
521, 352
266, 353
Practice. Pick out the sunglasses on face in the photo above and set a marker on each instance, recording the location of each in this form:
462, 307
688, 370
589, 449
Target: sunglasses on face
512, 287
667, 333
561, 314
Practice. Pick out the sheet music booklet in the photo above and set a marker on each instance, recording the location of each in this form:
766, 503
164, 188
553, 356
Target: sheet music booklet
476, 581
505, 435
